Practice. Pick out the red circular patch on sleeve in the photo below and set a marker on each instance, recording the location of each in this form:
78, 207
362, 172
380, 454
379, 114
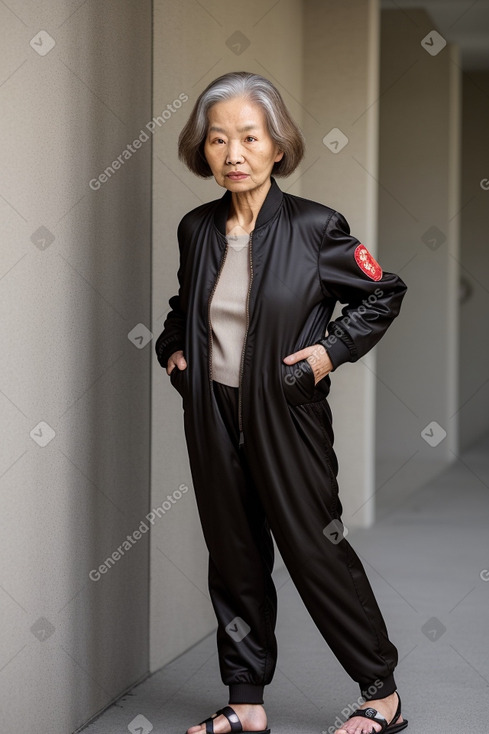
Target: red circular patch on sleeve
367, 263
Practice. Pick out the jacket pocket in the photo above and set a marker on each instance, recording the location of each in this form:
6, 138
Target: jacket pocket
177, 379
298, 383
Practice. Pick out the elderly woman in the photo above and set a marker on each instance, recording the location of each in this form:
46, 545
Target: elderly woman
249, 345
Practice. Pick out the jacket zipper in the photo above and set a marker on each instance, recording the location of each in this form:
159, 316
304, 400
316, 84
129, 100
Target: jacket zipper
240, 399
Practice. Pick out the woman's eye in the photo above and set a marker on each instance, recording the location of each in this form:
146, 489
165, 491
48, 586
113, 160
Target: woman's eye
250, 138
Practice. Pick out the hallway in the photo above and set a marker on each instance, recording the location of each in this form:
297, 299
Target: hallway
392, 98
428, 562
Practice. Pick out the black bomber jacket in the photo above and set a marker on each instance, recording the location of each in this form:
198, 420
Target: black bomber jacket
303, 260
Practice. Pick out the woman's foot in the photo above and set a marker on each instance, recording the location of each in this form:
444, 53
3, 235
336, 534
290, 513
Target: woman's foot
251, 715
360, 725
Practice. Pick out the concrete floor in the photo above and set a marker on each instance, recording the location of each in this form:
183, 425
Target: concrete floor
426, 561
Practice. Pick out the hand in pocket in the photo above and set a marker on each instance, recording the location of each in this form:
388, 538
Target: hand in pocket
176, 361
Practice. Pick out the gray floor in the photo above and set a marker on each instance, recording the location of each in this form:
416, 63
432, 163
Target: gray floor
426, 562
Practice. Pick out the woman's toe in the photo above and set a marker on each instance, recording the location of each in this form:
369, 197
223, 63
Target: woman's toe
196, 729
356, 727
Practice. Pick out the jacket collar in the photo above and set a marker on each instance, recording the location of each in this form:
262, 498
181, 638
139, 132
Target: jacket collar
268, 209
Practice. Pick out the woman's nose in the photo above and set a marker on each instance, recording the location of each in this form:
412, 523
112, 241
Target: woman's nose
234, 155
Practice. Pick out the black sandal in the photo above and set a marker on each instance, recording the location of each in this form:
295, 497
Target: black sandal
374, 715
233, 719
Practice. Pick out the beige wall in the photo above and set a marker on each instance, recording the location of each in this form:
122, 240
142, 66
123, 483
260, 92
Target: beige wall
474, 309
69, 296
418, 200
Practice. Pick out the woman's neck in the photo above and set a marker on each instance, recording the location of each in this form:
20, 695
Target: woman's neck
245, 207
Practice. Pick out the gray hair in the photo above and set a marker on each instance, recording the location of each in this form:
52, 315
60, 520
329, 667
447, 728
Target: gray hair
281, 127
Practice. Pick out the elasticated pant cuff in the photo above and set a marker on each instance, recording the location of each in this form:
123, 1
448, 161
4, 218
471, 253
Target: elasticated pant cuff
245, 693
379, 688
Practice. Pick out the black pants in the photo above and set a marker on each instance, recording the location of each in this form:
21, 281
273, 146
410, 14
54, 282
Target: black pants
245, 601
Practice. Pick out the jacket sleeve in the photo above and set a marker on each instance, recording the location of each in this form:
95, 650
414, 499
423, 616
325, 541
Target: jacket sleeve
349, 274
172, 338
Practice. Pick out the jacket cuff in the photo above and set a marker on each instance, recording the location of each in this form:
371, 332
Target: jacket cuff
338, 351
164, 352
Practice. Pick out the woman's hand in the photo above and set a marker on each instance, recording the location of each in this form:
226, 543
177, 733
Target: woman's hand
318, 358
177, 360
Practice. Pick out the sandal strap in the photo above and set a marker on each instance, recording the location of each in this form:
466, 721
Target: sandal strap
209, 725
398, 711
232, 717
374, 715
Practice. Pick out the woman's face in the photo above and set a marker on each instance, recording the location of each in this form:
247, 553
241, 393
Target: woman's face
238, 146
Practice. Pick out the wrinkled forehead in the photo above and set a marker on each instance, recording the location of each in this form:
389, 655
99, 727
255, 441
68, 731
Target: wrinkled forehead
237, 114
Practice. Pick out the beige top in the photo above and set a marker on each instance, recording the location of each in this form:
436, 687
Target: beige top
228, 311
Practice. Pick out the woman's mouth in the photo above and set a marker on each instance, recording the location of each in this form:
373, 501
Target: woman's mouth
236, 176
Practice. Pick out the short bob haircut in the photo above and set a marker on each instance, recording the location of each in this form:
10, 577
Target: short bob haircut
282, 128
